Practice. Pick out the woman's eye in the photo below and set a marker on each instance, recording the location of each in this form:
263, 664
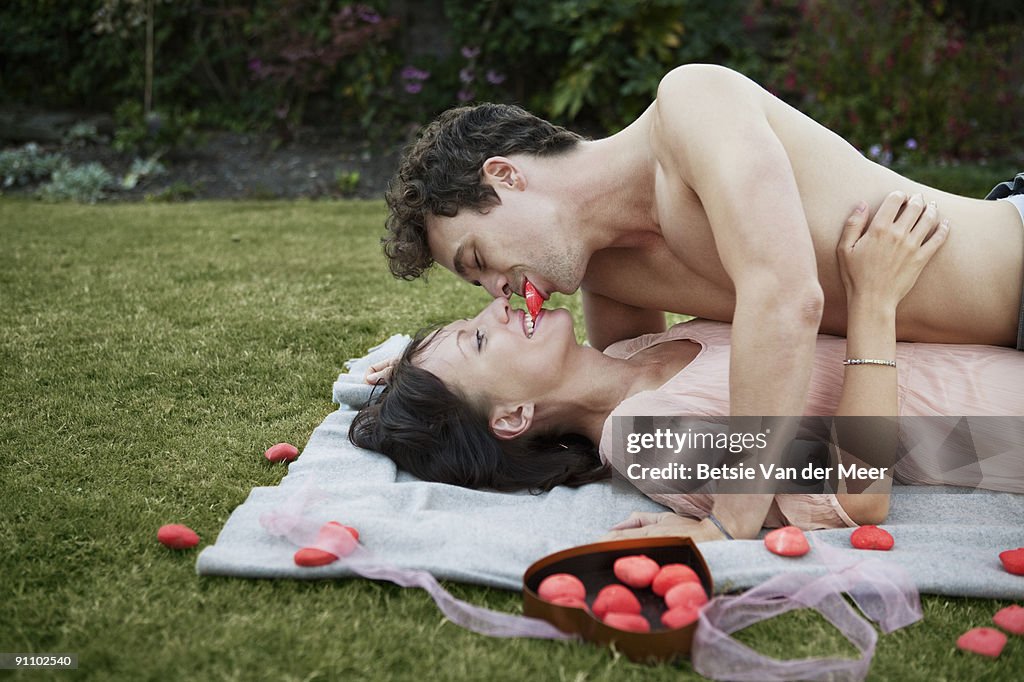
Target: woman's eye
479, 339
476, 257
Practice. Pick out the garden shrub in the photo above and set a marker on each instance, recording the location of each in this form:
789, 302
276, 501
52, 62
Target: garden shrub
28, 165
84, 184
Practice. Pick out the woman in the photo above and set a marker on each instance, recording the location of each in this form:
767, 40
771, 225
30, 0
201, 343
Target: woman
507, 402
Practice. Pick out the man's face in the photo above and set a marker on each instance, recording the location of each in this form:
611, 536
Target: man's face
515, 240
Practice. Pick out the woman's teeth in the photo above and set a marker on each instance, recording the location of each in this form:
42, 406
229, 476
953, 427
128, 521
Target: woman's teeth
528, 323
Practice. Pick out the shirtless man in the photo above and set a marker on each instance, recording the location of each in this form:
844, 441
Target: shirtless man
719, 201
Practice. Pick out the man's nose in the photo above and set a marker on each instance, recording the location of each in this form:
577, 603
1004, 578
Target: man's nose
498, 287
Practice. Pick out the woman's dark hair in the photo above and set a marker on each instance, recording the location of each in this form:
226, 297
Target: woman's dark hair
439, 173
436, 434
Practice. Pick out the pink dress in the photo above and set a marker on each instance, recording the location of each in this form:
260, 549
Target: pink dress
935, 380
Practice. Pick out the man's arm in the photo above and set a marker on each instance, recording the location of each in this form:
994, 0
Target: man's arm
608, 320
713, 122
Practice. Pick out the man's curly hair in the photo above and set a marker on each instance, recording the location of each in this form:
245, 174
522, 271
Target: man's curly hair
440, 173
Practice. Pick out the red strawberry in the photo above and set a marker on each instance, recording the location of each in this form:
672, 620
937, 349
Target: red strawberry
871, 537
679, 617
1013, 560
177, 536
636, 571
311, 556
984, 641
631, 622
559, 585
282, 452
787, 541
1010, 619
686, 595
671, 575
615, 598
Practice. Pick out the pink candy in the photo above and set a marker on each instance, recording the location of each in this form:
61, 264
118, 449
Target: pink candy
636, 571
332, 542
671, 575
561, 585
1010, 619
983, 641
617, 599
686, 595
679, 617
282, 452
177, 536
787, 541
631, 622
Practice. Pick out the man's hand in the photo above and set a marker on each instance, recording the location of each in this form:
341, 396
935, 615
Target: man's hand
658, 524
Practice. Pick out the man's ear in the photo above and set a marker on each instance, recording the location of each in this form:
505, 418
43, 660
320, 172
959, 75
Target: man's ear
498, 170
508, 421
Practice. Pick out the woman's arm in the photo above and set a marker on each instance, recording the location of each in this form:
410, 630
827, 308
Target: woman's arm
879, 264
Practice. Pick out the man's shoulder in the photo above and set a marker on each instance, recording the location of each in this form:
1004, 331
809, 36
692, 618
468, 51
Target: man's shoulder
688, 77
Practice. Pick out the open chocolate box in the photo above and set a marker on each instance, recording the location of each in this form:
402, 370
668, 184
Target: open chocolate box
592, 564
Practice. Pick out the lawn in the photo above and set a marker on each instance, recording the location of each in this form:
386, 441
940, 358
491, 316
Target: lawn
149, 354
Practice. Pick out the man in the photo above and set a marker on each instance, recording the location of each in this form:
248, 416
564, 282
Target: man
719, 201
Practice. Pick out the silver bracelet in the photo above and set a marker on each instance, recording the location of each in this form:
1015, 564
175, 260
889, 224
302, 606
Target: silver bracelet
718, 524
869, 361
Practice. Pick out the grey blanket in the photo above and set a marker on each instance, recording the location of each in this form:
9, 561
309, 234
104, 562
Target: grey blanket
949, 543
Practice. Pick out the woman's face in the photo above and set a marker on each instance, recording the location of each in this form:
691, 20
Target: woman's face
493, 357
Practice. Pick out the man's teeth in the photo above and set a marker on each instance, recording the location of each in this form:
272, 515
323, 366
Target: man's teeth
528, 322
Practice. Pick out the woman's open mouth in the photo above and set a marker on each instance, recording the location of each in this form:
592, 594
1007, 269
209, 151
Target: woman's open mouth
530, 322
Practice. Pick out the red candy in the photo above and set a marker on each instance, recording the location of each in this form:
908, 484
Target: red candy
177, 536
615, 598
787, 541
350, 529
872, 537
282, 452
561, 585
631, 622
636, 571
679, 617
311, 556
671, 575
534, 302
686, 595
572, 602
1010, 619
984, 641
1013, 560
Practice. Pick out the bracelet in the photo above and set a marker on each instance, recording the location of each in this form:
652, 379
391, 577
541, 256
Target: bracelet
869, 361
718, 524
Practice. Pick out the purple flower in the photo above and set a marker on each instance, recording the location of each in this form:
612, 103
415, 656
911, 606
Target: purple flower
911, 143
495, 78
412, 87
465, 95
411, 73
466, 75
470, 52
874, 150
255, 65
369, 16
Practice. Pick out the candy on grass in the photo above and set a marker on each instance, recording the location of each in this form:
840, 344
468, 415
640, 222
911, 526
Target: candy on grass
1010, 619
282, 452
984, 641
177, 536
636, 571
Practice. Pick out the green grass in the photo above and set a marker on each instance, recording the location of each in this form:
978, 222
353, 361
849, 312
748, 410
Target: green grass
148, 355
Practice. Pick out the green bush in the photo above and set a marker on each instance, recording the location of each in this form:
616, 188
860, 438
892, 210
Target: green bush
28, 165
84, 184
899, 82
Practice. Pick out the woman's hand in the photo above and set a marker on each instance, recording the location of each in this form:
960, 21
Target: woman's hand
380, 372
880, 264
657, 524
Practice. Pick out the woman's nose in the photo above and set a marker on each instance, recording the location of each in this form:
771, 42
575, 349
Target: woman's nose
498, 309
